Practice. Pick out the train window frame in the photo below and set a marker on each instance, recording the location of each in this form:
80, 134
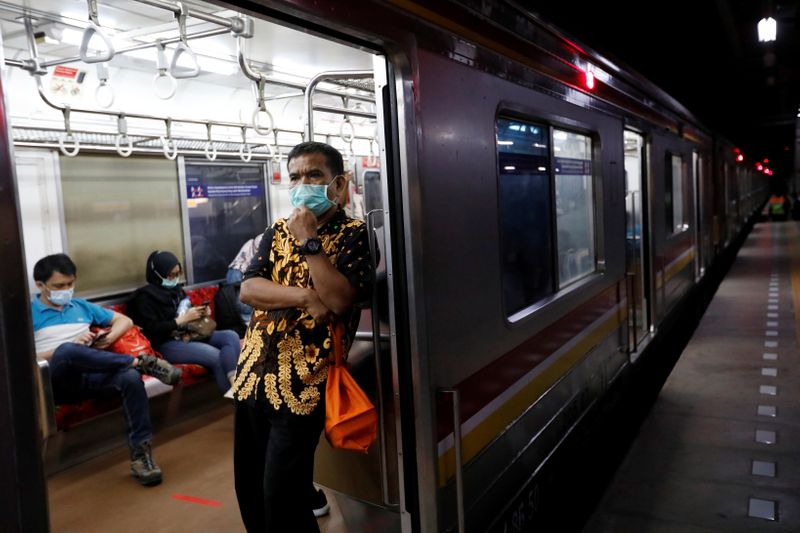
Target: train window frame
672, 229
557, 292
182, 163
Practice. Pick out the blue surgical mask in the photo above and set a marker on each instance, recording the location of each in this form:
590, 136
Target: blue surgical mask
61, 298
169, 283
314, 197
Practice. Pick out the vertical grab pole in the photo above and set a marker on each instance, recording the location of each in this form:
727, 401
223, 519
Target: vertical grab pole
459, 463
376, 341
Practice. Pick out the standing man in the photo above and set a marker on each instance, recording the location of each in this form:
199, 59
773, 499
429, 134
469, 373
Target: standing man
79, 369
310, 269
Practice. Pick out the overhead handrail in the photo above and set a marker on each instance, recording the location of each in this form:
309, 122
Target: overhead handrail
162, 73
122, 137
211, 149
104, 94
92, 29
245, 152
183, 49
311, 88
68, 137
168, 144
261, 109
237, 25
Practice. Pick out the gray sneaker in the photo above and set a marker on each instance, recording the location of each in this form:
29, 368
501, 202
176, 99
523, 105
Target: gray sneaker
159, 369
143, 468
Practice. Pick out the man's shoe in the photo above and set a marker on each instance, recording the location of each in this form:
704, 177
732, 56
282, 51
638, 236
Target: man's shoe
321, 507
159, 369
143, 467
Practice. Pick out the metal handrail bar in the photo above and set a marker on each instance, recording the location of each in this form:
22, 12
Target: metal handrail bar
234, 24
327, 76
198, 35
344, 111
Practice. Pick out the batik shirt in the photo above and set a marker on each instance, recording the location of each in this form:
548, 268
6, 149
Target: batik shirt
284, 361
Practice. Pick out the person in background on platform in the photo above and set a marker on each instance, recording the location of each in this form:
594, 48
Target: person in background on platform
154, 307
237, 269
311, 268
80, 370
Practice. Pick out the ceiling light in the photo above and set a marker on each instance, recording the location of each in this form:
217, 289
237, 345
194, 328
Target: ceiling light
767, 30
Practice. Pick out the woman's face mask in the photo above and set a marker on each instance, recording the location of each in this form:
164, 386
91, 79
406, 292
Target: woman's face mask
314, 197
169, 283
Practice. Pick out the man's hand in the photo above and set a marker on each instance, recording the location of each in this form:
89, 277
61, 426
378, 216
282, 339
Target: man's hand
317, 309
303, 224
101, 340
85, 338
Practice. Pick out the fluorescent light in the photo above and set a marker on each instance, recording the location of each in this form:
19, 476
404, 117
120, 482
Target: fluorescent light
542, 169
505, 143
510, 167
767, 29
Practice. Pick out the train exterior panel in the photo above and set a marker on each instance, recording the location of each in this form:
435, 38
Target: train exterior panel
535, 234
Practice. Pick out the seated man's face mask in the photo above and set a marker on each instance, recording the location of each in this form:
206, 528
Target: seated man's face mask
314, 197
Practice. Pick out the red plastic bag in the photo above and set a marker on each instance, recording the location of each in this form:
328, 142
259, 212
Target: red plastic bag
133, 343
351, 421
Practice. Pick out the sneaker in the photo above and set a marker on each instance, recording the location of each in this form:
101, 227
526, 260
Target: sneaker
159, 369
321, 507
143, 467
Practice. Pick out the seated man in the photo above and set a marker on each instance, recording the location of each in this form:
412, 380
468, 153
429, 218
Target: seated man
80, 370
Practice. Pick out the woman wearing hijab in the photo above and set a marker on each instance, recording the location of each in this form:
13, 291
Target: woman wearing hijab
154, 307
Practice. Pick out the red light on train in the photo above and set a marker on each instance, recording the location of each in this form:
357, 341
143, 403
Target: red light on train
739, 158
759, 167
588, 80
766, 160
736, 151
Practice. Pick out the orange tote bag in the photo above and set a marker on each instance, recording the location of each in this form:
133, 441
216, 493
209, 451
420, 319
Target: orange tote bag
351, 421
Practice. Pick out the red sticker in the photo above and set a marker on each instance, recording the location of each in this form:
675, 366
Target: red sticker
201, 501
65, 72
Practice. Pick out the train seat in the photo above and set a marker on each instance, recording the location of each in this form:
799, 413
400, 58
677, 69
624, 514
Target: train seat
68, 415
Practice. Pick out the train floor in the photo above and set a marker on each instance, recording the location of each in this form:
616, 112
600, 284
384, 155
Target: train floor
197, 494
720, 449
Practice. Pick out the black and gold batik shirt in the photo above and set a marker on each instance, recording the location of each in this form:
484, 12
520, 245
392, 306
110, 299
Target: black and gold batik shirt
284, 361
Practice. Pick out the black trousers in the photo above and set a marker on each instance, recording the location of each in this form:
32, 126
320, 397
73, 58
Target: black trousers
273, 465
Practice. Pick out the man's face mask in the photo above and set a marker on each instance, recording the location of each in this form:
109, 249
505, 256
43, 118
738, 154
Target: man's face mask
314, 197
62, 297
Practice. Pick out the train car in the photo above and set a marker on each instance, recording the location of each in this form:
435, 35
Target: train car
541, 210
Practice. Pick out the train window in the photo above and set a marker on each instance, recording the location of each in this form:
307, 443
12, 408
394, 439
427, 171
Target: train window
116, 211
574, 205
525, 212
226, 207
674, 189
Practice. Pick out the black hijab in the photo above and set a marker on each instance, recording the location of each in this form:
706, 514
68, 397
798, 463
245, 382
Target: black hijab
159, 265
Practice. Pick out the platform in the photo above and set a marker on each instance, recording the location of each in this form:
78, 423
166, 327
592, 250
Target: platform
720, 450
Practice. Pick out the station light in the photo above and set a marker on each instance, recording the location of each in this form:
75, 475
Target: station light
766, 160
759, 167
767, 30
739, 158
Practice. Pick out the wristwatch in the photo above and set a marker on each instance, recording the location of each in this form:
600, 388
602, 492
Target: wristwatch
311, 246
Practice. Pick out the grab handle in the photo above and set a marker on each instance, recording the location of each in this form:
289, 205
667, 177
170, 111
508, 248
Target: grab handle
91, 30
457, 445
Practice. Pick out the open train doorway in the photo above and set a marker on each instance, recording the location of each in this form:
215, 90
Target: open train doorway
164, 125
636, 239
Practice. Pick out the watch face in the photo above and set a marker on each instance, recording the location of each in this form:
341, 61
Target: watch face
312, 246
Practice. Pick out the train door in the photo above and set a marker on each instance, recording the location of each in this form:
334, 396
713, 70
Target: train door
698, 212
636, 239
191, 158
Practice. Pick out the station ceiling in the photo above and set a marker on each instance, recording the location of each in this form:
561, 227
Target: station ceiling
706, 54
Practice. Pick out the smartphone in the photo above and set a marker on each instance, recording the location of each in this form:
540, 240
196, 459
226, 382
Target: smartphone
100, 335
206, 303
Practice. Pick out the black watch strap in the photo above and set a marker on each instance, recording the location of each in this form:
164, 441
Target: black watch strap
311, 246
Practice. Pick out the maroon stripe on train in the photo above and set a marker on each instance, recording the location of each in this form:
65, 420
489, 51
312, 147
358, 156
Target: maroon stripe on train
492, 380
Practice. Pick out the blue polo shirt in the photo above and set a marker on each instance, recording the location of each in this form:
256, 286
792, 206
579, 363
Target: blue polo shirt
52, 328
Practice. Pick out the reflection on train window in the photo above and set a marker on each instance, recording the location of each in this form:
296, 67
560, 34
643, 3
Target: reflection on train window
673, 194
525, 213
574, 205
116, 211
227, 207
537, 257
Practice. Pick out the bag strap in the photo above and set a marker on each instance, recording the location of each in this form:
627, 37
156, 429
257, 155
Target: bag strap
337, 334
